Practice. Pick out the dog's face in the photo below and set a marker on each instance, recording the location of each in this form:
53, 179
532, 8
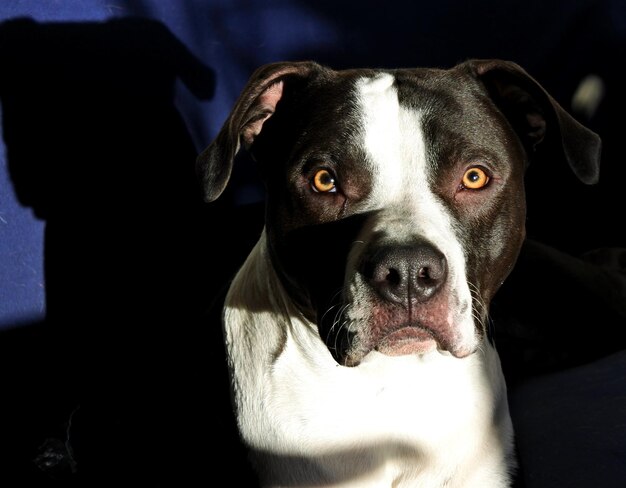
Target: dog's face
395, 199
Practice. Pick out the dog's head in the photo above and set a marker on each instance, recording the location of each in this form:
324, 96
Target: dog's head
395, 203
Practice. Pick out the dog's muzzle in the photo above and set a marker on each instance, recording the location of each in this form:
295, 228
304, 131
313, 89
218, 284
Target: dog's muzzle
403, 299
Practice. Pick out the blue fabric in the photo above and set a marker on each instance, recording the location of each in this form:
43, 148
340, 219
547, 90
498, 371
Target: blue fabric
570, 425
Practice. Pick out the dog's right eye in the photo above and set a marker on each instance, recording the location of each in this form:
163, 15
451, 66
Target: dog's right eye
475, 178
323, 181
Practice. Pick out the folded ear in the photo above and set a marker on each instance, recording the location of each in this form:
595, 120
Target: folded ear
255, 105
537, 118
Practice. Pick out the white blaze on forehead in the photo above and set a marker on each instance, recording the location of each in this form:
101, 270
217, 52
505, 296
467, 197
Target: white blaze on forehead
393, 140
379, 102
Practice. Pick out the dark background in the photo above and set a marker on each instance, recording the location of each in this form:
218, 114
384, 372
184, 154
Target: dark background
110, 367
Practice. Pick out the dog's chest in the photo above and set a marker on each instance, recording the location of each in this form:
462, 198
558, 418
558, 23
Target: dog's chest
389, 419
407, 400
293, 399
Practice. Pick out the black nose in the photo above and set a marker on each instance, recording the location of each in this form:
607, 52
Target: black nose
405, 274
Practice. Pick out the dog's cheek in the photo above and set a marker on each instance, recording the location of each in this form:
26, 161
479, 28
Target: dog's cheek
314, 257
493, 244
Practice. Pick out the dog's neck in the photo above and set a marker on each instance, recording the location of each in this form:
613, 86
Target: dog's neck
320, 396
257, 287
257, 296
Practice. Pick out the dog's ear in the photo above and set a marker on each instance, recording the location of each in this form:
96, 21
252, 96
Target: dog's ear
538, 119
255, 105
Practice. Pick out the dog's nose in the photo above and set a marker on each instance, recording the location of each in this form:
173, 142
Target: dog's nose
406, 274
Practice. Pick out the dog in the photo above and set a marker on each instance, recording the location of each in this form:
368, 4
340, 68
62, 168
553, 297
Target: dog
357, 330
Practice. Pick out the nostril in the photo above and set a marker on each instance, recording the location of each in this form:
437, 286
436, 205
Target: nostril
382, 269
393, 277
431, 268
423, 273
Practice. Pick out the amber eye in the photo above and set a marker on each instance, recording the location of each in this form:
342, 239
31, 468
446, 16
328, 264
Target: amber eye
475, 178
324, 181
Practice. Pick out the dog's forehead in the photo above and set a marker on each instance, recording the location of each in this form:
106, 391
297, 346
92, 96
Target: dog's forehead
393, 115
416, 123
392, 136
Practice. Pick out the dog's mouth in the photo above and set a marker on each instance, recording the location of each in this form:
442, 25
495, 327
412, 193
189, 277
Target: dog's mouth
404, 338
393, 331
407, 339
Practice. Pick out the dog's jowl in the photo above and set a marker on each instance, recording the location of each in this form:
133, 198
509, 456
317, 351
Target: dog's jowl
357, 329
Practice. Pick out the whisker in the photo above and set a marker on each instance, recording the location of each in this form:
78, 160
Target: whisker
481, 314
339, 322
333, 299
329, 309
479, 308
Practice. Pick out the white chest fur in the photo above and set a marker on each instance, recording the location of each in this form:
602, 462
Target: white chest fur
391, 421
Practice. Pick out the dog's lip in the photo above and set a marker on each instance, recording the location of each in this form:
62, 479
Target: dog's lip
407, 339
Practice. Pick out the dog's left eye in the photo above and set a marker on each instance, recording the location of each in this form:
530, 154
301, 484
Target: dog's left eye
323, 181
475, 178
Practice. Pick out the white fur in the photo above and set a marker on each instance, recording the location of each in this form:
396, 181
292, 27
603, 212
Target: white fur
406, 421
428, 420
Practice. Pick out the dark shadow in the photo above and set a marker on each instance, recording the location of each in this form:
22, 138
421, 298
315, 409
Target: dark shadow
556, 312
125, 363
